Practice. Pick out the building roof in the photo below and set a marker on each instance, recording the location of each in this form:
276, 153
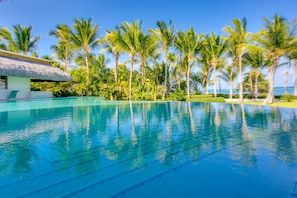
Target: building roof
12, 64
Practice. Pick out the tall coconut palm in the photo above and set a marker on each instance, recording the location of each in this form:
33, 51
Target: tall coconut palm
190, 43
214, 46
145, 48
84, 37
112, 46
129, 43
206, 69
165, 35
156, 69
232, 69
257, 61
178, 70
64, 47
292, 55
277, 39
240, 39
204, 75
228, 75
21, 40
293, 58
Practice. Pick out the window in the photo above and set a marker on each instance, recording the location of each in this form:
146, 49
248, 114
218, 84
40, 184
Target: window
3, 82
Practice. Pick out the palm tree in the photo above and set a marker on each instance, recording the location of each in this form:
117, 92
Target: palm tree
84, 37
240, 39
165, 34
196, 80
214, 46
64, 47
231, 51
293, 57
129, 43
156, 71
204, 75
113, 48
228, 75
178, 70
277, 39
189, 43
206, 70
145, 48
257, 61
21, 40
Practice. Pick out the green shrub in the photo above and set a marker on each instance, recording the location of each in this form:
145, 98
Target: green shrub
177, 95
207, 99
195, 96
288, 97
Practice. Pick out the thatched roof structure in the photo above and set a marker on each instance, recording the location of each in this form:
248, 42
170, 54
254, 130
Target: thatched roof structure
12, 64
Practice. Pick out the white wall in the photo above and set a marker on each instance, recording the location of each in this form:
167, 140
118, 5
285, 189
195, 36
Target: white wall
4, 94
41, 94
17, 83
20, 84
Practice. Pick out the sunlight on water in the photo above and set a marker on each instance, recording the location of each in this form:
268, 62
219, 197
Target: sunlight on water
87, 147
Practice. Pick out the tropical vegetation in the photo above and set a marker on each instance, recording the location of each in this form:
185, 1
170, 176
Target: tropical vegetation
130, 63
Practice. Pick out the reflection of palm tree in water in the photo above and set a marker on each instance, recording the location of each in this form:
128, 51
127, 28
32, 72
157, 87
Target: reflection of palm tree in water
244, 126
246, 149
191, 118
285, 142
133, 135
23, 156
217, 120
87, 139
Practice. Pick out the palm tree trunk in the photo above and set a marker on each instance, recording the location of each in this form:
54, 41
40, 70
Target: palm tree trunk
295, 78
230, 89
130, 78
157, 78
206, 87
178, 71
142, 73
240, 79
256, 85
231, 84
215, 80
116, 69
219, 82
87, 69
66, 61
166, 72
251, 83
270, 96
286, 77
188, 77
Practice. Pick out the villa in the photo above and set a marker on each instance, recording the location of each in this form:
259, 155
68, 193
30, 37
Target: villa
18, 71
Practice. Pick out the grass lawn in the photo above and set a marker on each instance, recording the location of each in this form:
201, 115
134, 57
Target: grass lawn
292, 104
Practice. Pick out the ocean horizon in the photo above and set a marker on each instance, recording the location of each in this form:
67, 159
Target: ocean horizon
278, 91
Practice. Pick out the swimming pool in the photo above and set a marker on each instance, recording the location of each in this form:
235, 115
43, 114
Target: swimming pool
85, 147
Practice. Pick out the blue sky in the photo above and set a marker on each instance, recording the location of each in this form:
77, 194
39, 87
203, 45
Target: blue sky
204, 15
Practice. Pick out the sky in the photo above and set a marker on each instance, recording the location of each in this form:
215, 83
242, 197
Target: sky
204, 16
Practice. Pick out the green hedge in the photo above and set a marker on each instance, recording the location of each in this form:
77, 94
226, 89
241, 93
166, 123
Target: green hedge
288, 97
206, 98
193, 96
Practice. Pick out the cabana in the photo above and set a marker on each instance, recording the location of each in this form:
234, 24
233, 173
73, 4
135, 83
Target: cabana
17, 71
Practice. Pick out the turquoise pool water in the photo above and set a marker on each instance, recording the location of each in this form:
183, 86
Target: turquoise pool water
85, 147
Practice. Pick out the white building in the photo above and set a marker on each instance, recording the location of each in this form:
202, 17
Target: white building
17, 71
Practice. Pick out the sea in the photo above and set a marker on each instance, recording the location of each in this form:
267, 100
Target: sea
278, 91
